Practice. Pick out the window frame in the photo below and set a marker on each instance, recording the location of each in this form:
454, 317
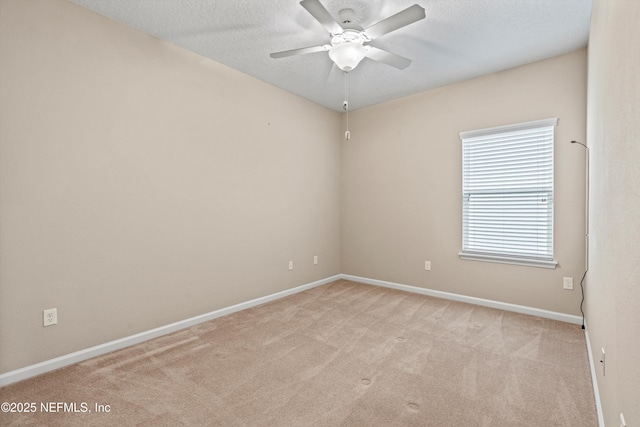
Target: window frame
504, 256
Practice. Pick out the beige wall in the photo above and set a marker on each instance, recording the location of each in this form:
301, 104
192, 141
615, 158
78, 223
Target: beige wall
401, 184
141, 184
613, 282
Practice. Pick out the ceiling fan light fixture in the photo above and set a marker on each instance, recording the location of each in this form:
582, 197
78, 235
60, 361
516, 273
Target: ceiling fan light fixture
347, 55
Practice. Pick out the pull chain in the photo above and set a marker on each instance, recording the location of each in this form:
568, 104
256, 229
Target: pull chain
345, 104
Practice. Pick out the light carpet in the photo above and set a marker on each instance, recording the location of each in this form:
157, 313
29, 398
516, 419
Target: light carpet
342, 354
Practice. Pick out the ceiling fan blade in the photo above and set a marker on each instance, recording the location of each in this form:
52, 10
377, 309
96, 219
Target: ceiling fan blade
388, 58
318, 11
408, 16
300, 51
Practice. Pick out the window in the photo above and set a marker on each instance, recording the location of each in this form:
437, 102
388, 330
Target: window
507, 194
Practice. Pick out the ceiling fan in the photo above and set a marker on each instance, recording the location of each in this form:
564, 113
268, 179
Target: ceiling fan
349, 42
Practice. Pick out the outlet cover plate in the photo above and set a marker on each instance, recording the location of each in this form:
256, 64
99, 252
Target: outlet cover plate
50, 317
567, 283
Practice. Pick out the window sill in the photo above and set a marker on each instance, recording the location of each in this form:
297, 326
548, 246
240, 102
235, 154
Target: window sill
509, 260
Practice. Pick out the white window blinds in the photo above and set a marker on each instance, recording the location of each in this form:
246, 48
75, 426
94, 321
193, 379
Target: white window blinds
507, 193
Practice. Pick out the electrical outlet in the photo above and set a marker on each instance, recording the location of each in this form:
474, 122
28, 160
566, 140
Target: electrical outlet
50, 317
567, 283
427, 265
315, 259
290, 265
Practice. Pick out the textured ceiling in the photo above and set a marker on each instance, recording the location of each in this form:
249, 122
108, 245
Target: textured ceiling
458, 40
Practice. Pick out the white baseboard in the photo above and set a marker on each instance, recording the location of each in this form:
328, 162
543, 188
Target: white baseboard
594, 377
79, 356
471, 300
